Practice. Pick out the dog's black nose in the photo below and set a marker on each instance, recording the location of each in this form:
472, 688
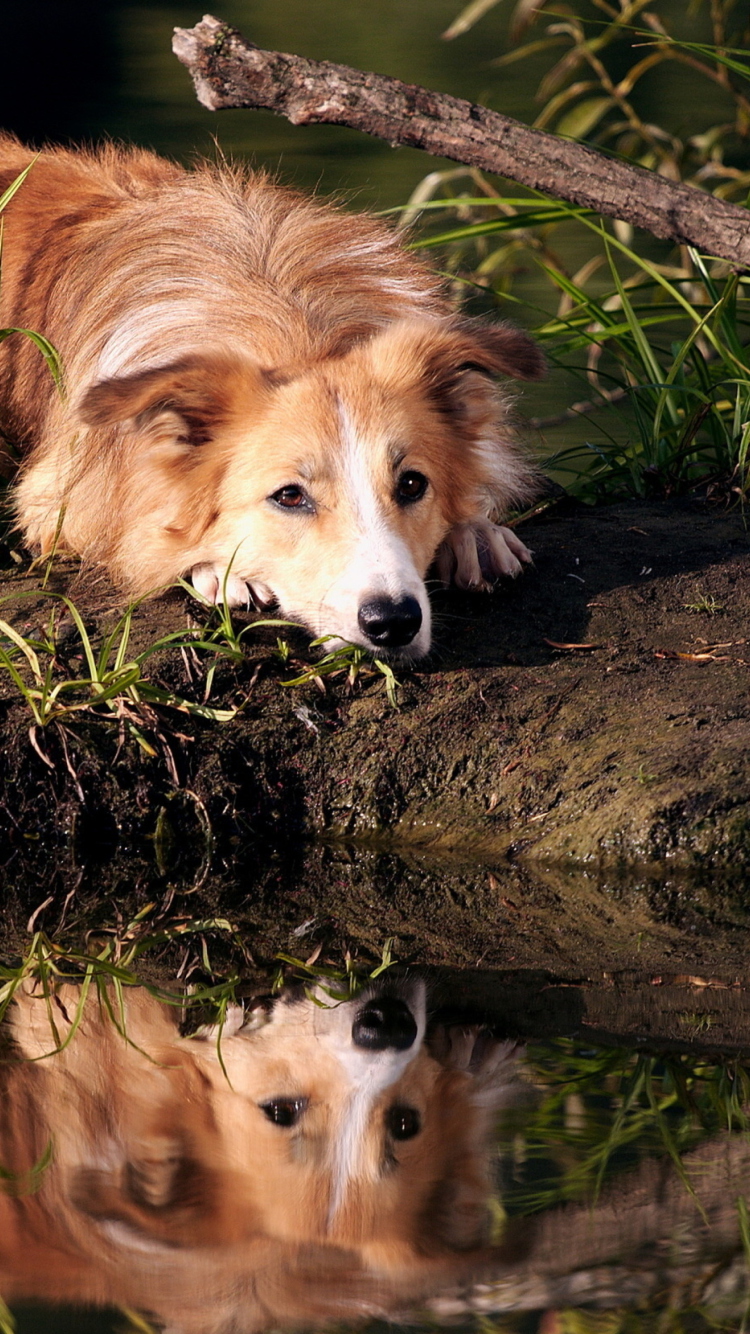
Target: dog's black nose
390, 624
386, 1022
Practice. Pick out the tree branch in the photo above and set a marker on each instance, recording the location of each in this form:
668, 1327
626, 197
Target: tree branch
228, 71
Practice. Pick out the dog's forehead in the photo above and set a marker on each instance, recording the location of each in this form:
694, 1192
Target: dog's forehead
332, 402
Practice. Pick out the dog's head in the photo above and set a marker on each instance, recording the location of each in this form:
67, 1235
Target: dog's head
326, 487
369, 1135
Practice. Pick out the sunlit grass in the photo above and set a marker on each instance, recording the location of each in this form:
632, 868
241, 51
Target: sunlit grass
657, 336
338, 983
114, 683
350, 662
662, 352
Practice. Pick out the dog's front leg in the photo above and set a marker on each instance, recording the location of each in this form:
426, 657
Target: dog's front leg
475, 554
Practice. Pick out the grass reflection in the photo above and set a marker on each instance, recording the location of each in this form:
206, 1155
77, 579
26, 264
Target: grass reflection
601, 1110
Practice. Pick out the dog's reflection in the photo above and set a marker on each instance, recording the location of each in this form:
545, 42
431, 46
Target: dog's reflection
312, 1160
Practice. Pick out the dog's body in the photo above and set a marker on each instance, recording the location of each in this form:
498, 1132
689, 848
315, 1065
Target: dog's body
318, 1161
261, 389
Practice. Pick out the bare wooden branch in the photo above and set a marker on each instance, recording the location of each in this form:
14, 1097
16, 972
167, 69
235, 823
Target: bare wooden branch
229, 71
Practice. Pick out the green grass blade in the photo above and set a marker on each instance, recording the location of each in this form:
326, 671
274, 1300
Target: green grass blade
50, 354
15, 185
24, 646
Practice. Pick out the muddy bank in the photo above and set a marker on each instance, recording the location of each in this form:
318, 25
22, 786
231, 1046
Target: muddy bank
632, 748
593, 803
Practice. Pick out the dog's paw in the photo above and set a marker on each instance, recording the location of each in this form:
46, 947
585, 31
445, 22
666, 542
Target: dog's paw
492, 1062
216, 584
475, 554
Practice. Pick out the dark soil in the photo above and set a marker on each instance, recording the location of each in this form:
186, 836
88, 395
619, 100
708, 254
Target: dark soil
584, 807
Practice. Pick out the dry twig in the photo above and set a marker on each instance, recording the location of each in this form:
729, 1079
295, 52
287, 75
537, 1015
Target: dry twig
229, 71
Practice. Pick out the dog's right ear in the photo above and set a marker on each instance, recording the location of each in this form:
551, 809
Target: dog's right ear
189, 399
498, 349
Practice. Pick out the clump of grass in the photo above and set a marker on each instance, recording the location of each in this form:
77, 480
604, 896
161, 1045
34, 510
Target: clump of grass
111, 684
660, 353
111, 961
657, 341
679, 372
705, 604
337, 983
348, 661
114, 683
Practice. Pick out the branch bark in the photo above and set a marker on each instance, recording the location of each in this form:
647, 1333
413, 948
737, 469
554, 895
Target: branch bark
229, 71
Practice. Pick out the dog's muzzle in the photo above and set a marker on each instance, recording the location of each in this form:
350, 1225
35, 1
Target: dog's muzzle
384, 1023
390, 624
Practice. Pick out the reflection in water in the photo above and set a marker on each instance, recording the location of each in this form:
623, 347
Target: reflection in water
319, 1160
312, 1160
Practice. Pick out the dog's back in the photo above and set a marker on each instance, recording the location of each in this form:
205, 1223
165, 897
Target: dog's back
156, 259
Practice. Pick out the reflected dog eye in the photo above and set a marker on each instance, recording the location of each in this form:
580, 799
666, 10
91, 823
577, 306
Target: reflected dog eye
284, 1112
291, 498
410, 487
403, 1122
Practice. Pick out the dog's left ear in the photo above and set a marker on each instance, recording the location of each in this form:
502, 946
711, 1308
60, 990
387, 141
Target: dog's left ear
455, 363
459, 365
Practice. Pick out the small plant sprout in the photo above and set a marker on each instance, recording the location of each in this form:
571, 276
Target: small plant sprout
283, 651
643, 777
339, 984
349, 660
705, 604
111, 678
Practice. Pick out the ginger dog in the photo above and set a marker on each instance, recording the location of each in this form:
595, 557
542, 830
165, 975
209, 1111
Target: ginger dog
314, 1161
261, 391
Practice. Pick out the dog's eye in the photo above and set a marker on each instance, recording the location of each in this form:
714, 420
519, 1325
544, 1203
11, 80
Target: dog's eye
290, 498
403, 1122
411, 486
284, 1112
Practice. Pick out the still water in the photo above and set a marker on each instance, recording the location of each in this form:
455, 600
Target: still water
349, 1150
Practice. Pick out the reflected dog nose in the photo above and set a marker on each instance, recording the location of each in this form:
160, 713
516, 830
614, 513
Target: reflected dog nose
382, 1023
390, 624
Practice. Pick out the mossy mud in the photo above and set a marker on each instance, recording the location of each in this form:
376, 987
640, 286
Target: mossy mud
565, 784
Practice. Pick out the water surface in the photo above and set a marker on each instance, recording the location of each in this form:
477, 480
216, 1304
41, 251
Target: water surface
213, 1158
